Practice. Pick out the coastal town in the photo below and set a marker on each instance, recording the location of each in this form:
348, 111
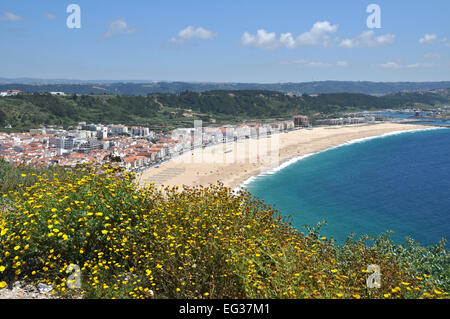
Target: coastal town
138, 148
135, 148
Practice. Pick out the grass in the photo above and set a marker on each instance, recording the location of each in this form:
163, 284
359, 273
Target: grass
204, 242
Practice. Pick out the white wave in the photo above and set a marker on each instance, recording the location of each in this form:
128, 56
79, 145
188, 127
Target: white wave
299, 158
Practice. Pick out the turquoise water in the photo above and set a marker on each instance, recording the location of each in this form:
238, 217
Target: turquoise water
397, 182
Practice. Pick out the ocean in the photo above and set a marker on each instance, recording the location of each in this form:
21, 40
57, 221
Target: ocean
398, 182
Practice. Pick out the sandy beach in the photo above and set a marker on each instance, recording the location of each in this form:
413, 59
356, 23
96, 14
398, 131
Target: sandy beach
234, 163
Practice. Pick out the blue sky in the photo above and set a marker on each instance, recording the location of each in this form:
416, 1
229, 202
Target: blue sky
226, 41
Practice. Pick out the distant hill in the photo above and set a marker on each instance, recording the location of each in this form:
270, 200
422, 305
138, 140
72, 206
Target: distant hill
143, 88
179, 110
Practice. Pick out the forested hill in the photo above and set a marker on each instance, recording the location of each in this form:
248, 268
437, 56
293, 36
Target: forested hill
142, 88
174, 110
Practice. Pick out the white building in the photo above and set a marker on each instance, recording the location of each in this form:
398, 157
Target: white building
63, 143
102, 133
118, 129
39, 131
82, 134
93, 127
138, 131
13, 92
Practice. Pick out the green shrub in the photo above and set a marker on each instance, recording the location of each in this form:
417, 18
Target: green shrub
204, 242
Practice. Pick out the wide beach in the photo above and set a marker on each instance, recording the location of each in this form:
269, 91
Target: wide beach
234, 163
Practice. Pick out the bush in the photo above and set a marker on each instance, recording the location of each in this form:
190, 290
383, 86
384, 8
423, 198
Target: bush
16, 178
204, 242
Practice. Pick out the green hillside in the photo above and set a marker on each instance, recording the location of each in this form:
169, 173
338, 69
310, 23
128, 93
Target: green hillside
175, 110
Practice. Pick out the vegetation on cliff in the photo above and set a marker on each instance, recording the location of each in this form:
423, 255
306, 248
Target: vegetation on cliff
204, 242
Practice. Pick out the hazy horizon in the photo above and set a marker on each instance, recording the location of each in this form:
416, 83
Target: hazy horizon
29, 80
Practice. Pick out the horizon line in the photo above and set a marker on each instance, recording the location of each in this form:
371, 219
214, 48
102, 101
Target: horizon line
20, 80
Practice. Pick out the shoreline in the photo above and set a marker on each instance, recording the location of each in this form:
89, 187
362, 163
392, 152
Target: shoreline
184, 170
296, 159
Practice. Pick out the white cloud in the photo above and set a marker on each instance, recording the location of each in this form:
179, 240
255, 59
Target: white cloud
391, 65
117, 27
262, 40
342, 63
316, 64
9, 16
192, 33
419, 65
432, 55
428, 39
50, 16
318, 35
368, 39
395, 65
